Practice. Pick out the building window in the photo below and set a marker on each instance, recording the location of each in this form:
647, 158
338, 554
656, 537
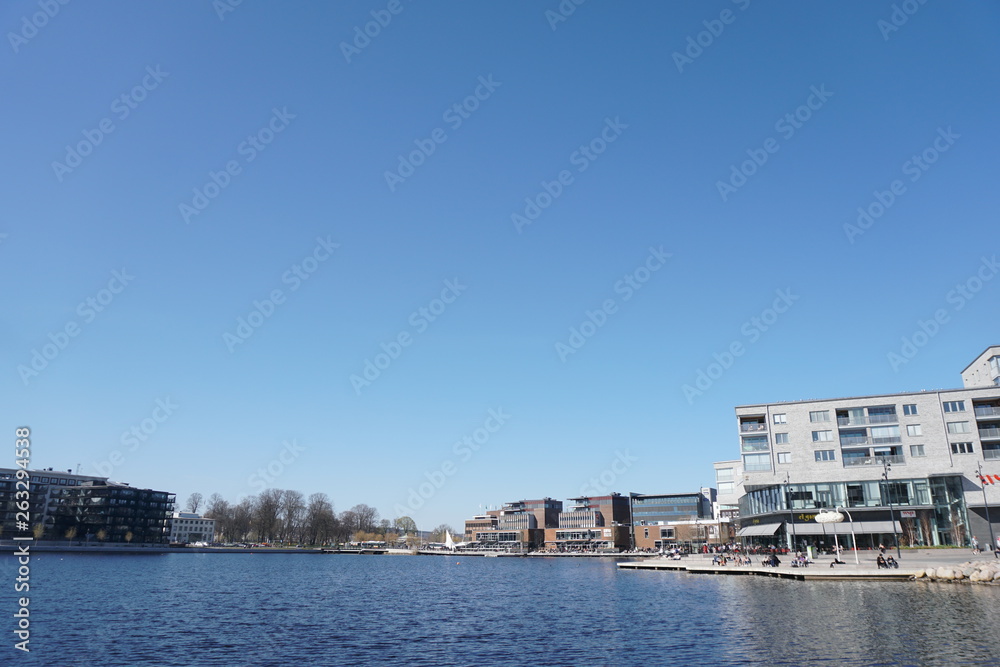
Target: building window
819, 416
726, 487
781, 438
914, 430
958, 427
781, 419
784, 457
756, 462
995, 365
825, 455
822, 436
961, 448
910, 409
917, 450
724, 474
954, 406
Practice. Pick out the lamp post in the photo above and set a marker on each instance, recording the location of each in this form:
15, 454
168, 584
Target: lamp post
989, 523
791, 514
886, 467
826, 516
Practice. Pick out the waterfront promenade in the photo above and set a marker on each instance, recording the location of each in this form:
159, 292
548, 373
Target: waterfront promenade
911, 562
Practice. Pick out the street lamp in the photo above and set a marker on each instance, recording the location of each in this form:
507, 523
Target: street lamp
982, 483
886, 467
825, 516
791, 514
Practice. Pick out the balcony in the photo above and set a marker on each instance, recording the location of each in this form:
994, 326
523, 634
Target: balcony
991, 433
752, 427
987, 411
868, 420
991, 454
853, 461
867, 442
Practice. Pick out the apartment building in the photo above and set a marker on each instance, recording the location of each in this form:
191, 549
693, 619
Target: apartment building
63, 505
517, 526
903, 465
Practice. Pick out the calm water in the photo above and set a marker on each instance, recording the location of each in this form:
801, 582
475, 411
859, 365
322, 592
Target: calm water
188, 609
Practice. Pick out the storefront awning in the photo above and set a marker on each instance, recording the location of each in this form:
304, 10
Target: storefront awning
764, 529
844, 528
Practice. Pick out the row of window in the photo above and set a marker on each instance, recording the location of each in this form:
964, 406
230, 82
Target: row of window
909, 409
912, 430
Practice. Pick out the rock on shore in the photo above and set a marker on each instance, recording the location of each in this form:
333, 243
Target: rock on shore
978, 572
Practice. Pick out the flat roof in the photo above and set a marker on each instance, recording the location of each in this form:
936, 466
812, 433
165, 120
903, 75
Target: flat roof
859, 398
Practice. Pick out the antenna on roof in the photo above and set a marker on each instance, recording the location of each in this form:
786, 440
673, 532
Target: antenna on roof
77, 468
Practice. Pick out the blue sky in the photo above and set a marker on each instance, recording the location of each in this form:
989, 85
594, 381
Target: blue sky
624, 135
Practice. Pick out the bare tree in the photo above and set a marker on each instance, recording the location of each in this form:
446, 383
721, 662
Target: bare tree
194, 502
320, 521
293, 509
405, 525
366, 518
241, 519
266, 514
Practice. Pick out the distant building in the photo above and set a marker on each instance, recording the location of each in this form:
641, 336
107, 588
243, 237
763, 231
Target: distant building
188, 527
688, 520
518, 526
592, 523
905, 464
63, 504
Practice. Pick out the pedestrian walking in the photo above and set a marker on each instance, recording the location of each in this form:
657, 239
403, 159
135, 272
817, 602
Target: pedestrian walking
975, 545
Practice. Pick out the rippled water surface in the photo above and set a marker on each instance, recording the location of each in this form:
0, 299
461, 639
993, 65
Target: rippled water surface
243, 609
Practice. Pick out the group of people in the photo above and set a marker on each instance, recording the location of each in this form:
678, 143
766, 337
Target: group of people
885, 563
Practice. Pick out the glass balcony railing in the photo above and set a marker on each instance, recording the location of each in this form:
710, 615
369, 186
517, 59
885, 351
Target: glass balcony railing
865, 420
752, 426
987, 411
852, 461
989, 433
991, 454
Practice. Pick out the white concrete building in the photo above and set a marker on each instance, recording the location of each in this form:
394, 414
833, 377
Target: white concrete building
188, 527
912, 457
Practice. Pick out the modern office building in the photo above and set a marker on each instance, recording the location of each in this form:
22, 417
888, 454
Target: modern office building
63, 506
903, 465
188, 527
688, 520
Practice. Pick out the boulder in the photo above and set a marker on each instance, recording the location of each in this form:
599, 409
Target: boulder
944, 573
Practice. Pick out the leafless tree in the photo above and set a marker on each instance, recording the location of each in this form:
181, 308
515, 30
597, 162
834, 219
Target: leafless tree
266, 516
194, 502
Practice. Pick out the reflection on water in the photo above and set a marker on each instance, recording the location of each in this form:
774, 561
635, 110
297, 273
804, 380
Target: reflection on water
189, 609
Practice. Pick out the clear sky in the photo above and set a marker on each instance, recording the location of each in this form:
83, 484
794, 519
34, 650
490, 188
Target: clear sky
673, 169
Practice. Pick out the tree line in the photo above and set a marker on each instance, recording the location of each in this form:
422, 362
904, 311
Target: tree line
288, 517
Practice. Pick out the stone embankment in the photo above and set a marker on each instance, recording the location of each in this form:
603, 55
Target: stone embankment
975, 572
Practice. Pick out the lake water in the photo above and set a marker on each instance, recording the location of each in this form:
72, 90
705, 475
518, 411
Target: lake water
243, 609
